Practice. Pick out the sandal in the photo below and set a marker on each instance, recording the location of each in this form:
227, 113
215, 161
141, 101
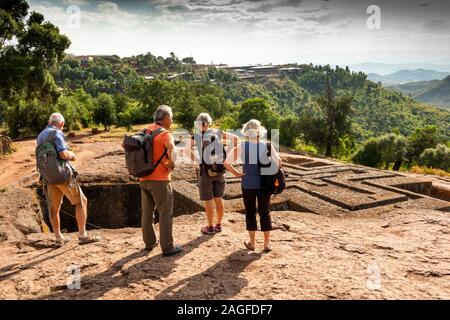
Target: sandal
248, 245
63, 240
207, 230
268, 248
218, 228
176, 249
88, 239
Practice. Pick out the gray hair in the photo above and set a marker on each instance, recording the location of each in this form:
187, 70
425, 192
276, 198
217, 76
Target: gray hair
204, 118
56, 119
162, 112
253, 129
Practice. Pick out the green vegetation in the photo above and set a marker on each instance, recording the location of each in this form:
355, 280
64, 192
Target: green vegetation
320, 109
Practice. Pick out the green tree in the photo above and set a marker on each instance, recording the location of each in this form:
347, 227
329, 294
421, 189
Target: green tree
438, 157
289, 130
104, 111
382, 151
421, 139
28, 49
258, 108
332, 122
187, 109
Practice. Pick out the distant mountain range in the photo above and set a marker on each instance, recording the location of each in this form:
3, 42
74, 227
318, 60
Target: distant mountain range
435, 92
386, 68
406, 76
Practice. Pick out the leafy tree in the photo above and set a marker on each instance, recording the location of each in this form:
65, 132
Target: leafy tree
28, 49
331, 124
187, 109
104, 111
289, 130
438, 157
27, 118
188, 60
369, 154
258, 108
421, 139
382, 151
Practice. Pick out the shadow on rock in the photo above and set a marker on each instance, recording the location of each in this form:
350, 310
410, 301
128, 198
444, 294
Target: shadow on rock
220, 281
156, 267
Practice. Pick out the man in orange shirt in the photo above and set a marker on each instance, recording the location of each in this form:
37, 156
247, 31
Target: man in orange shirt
156, 190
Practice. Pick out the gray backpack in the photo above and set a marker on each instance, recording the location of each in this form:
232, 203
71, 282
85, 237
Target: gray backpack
51, 167
139, 152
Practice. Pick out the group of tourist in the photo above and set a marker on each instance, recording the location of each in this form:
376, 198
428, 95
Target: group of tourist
207, 148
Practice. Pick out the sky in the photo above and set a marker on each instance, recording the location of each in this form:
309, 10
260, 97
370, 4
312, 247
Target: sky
242, 32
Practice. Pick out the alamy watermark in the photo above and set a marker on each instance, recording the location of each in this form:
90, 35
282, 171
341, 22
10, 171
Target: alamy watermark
373, 276
74, 280
73, 17
374, 20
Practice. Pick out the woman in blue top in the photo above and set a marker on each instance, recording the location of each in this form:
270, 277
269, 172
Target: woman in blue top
253, 154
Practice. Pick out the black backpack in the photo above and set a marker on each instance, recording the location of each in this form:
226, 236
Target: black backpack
215, 167
275, 183
139, 152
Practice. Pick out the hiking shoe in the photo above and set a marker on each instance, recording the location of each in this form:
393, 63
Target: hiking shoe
176, 249
208, 230
218, 228
88, 239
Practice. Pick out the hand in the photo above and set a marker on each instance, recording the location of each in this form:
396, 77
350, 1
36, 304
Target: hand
74, 157
169, 167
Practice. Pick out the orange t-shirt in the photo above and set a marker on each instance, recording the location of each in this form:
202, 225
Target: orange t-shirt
160, 173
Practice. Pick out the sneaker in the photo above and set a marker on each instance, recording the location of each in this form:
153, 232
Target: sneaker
208, 230
218, 228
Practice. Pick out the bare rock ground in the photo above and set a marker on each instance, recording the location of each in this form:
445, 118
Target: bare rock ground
396, 251
399, 255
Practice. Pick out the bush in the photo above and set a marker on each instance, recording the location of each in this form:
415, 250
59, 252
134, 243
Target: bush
438, 157
380, 151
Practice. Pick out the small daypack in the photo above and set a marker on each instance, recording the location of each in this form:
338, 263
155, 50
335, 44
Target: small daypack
139, 152
51, 167
215, 166
275, 183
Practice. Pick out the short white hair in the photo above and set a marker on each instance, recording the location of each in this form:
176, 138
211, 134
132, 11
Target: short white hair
253, 129
204, 118
56, 118
162, 112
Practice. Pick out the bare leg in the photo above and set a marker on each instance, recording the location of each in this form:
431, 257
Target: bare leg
209, 207
55, 220
81, 214
219, 209
252, 238
266, 239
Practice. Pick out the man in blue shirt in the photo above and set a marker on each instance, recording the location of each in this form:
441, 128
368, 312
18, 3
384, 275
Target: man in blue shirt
71, 189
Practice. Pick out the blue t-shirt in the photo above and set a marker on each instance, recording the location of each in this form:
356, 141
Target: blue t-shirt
251, 155
60, 143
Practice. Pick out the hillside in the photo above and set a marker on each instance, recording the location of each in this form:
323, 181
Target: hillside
435, 92
405, 76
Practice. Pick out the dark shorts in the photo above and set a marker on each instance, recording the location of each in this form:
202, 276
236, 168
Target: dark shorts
211, 187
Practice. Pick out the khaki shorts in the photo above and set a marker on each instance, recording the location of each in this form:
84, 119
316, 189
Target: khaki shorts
211, 187
72, 192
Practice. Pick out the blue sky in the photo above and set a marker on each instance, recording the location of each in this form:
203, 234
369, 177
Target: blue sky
257, 31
